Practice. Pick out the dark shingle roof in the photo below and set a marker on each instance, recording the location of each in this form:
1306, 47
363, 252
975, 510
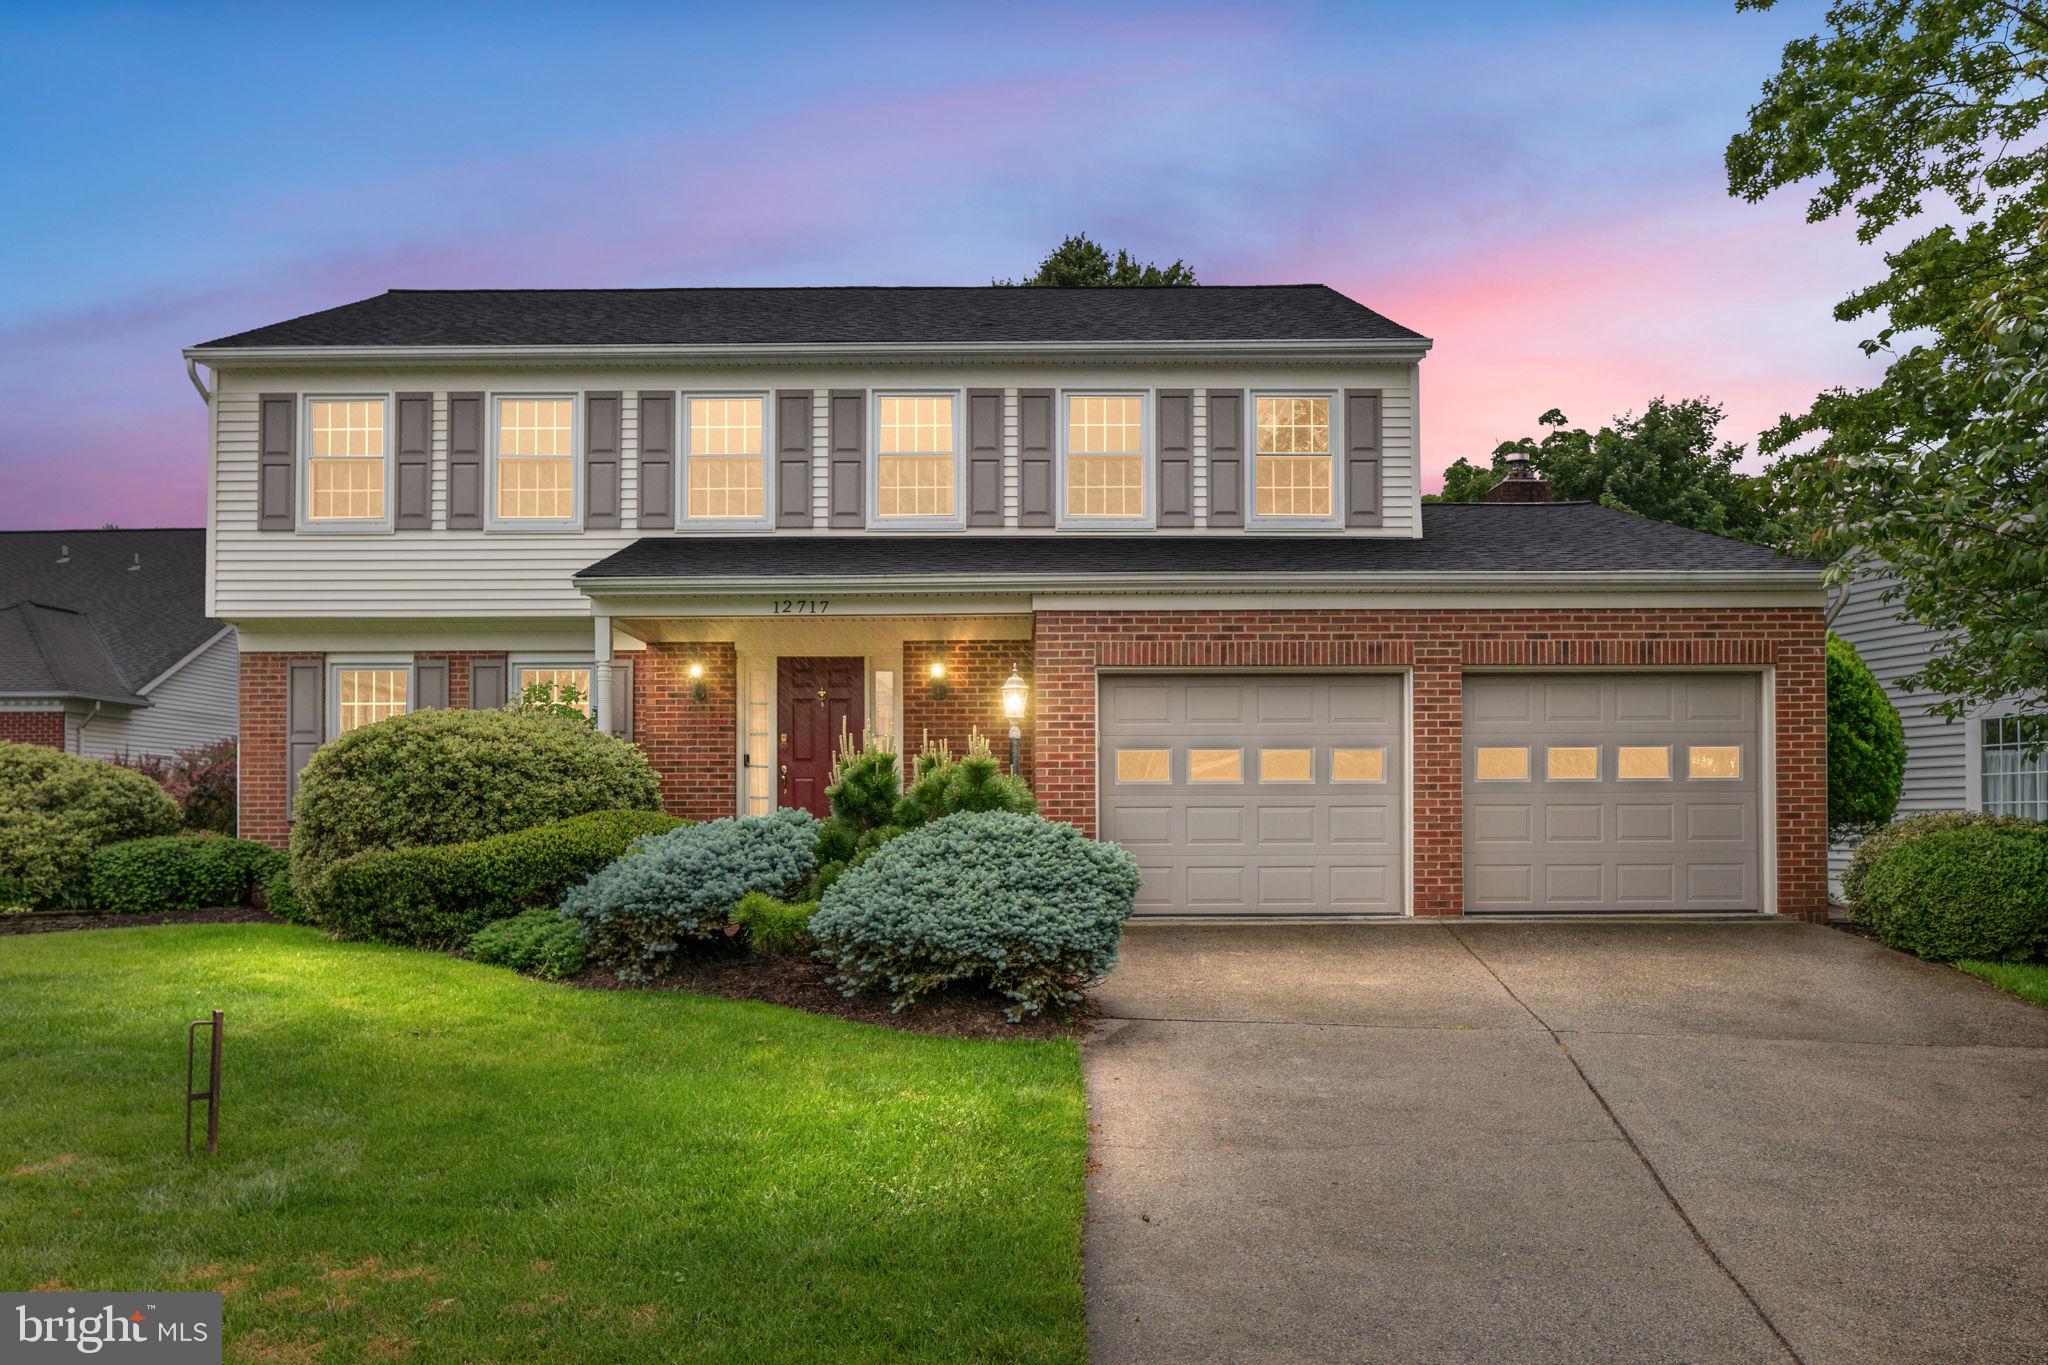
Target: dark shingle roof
99, 613
850, 315
1496, 538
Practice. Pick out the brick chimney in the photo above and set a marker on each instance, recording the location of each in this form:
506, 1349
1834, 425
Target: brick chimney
1521, 484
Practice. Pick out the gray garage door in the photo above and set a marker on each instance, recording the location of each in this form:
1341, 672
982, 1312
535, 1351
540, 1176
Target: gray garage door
1636, 792
1276, 794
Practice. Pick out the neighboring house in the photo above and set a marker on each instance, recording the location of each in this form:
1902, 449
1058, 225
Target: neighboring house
749, 520
1977, 763
106, 649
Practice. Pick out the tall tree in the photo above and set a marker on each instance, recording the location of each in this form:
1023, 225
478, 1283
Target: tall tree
1907, 109
1666, 464
1078, 261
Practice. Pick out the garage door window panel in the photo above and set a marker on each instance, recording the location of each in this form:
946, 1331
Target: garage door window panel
1215, 765
1358, 765
1714, 762
1286, 765
1502, 764
1644, 763
1570, 763
1144, 765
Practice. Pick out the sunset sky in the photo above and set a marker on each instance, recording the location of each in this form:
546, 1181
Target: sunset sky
1536, 186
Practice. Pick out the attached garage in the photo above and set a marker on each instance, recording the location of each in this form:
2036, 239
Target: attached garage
1602, 792
1257, 793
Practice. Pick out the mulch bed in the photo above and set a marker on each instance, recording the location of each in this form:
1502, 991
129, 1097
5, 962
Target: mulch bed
801, 985
56, 921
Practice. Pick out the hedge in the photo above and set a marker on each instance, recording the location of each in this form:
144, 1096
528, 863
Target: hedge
177, 872
1966, 891
539, 942
1881, 841
56, 808
440, 896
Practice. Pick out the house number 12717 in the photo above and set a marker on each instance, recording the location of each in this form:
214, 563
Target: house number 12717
801, 606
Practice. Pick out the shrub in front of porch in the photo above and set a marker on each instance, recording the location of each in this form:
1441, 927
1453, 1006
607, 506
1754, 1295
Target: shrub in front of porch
684, 886
177, 872
1019, 905
56, 808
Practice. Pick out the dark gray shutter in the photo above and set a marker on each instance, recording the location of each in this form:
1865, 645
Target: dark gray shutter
1226, 457
984, 457
849, 460
1175, 439
657, 461
414, 459
793, 457
305, 720
431, 692
277, 439
486, 684
601, 460
1362, 465
465, 461
1034, 457
622, 698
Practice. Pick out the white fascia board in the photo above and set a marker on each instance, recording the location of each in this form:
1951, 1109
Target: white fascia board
1333, 350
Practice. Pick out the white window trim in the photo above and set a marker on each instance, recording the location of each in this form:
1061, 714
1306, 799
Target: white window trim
1973, 749
339, 664
766, 521
302, 474
875, 520
1250, 494
494, 522
1148, 400
517, 664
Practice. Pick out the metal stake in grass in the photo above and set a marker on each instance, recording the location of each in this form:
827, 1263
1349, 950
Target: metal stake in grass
212, 1092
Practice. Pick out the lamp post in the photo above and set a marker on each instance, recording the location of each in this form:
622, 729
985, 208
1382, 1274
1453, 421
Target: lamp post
1015, 693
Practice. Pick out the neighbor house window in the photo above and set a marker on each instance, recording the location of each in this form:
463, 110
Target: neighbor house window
558, 680
1293, 474
346, 460
2015, 780
1105, 456
535, 468
363, 696
916, 468
725, 472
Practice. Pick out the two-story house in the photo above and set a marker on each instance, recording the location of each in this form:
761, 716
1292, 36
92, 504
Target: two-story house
1190, 520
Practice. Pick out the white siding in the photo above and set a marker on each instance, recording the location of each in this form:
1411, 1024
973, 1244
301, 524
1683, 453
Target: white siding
195, 705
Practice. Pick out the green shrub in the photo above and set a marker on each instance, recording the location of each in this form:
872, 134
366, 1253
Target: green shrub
538, 941
943, 786
775, 926
280, 897
1015, 903
1970, 891
1866, 745
453, 777
201, 780
1881, 841
685, 885
177, 872
56, 808
442, 895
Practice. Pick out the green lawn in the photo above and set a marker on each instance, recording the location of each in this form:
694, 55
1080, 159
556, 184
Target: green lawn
2027, 979
429, 1159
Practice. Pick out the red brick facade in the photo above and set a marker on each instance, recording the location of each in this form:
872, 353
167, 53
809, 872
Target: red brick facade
693, 744
459, 661
260, 766
975, 673
33, 727
1438, 646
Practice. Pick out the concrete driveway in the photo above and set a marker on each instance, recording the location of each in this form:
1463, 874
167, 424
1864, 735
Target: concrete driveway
1561, 1142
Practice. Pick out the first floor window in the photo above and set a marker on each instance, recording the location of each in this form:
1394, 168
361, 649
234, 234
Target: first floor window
561, 684
1293, 474
1105, 456
914, 460
2015, 765
536, 460
363, 696
345, 464
726, 476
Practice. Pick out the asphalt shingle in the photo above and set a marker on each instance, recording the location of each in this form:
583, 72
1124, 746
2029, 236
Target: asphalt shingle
83, 611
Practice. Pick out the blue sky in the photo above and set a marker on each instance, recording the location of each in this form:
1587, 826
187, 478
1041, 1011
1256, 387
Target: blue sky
1536, 186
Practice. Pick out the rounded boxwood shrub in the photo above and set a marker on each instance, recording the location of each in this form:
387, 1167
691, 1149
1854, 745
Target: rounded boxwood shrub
1968, 891
177, 872
1881, 841
539, 942
1866, 744
1021, 905
56, 808
685, 884
453, 777
444, 894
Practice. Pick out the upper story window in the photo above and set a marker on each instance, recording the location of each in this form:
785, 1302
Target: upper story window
917, 464
533, 468
1105, 457
346, 460
1294, 475
725, 466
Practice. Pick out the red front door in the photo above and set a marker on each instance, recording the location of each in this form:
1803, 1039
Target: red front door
816, 701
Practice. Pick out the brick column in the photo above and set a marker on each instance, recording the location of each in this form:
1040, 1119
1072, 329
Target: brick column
1801, 706
975, 673
260, 748
1439, 782
693, 745
45, 728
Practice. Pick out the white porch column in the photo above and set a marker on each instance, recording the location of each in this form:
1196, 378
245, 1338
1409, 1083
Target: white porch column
601, 679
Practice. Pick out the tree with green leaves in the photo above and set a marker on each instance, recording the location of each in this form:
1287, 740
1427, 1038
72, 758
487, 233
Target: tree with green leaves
1079, 263
1937, 475
1665, 463
1866, 745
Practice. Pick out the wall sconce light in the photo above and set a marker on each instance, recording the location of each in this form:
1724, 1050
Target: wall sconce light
936, 675
1016, 692
697, 687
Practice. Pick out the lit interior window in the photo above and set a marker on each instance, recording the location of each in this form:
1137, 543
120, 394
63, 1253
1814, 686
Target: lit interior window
366, 695
1562, 764
1502, 764
1215, 765
1714, 761
1650, 763
1105, 459
1286, 765
914, 466
536, 463
1142, 765
1293, 474
727, 477
345, 468
1358, 765
555, 680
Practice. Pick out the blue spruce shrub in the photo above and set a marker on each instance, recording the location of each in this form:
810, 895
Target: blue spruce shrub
684, 885
1022, 905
